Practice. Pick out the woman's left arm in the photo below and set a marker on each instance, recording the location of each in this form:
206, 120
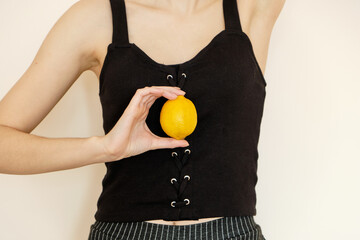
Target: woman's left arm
261, 21
269, 9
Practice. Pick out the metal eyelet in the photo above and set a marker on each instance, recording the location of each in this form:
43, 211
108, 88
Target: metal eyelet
187, 176
187, 200
187, 150
172, 154
172, 180
184, 75
169, 75
172, 203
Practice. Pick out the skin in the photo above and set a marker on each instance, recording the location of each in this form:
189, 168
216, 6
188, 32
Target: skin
78, 42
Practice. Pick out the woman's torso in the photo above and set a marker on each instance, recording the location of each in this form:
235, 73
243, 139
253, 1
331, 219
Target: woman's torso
172, 37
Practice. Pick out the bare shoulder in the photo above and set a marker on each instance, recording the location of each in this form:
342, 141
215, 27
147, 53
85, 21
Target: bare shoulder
97, 21
259, 14
101, 19
68, 50
269, 9
258, 18
94, 22
91, 21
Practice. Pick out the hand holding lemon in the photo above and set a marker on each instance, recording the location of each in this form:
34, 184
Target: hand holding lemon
131, 136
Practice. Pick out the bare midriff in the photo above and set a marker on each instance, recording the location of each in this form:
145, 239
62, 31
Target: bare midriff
183, 222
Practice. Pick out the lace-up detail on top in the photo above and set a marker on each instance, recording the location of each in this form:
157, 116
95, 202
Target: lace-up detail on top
180, 183
179, 83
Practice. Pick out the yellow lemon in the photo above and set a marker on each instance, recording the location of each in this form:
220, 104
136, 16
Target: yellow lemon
178, 117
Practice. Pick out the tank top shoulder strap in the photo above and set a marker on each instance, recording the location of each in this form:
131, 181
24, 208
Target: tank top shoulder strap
120, 28
231, 15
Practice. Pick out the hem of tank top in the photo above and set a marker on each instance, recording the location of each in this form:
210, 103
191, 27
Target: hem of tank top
112, 217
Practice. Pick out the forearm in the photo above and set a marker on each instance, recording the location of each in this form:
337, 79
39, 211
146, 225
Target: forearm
23, 153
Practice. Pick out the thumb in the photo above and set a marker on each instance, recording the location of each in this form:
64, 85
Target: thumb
168, 142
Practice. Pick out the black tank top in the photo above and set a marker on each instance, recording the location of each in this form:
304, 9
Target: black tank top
216, 174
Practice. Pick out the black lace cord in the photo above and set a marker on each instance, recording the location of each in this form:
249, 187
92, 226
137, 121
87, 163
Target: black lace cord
180, 162
182, 80
174, 83
180, 187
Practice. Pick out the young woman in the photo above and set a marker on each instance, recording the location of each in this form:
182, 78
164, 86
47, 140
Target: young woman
143, 52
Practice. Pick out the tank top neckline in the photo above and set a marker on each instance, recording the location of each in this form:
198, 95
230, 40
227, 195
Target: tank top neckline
142, 54
120, 37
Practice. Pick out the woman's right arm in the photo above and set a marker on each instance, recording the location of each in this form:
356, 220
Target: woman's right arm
65, 53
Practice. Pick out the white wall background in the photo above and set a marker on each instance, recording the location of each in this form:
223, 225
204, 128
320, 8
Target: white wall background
308, 149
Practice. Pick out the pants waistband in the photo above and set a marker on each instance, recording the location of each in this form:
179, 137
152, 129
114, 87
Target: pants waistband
222, 228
